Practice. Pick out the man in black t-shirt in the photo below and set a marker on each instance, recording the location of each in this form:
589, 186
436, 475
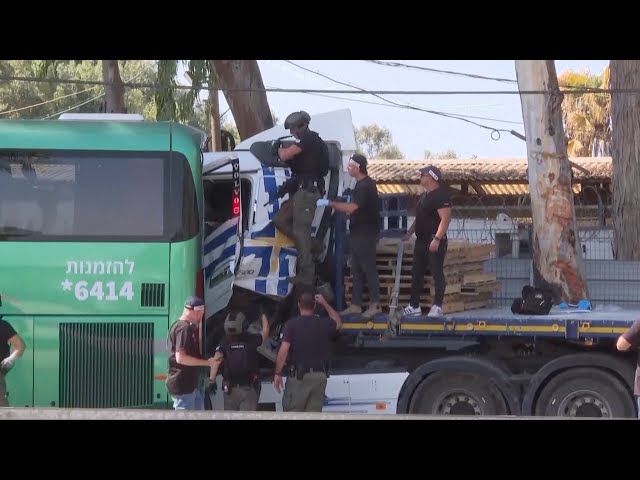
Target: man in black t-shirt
364, 228
631, 339
306, 349
184, 358
433, 215
309, 161
8, 338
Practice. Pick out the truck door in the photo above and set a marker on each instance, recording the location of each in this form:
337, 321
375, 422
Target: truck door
223, 231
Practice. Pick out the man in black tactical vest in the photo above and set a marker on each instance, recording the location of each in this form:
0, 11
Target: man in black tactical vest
309, 162
239, 356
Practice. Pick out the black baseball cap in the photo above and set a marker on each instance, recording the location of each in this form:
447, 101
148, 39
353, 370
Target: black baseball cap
194, 303
433, 171
360, 159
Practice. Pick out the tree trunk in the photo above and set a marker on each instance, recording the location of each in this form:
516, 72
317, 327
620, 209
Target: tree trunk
625, 119
250, 110
114, 94
214, 111
557, 257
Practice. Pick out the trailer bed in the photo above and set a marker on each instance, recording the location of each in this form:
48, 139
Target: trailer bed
606, 321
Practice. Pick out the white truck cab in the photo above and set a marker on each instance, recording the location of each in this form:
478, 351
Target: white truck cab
248, 252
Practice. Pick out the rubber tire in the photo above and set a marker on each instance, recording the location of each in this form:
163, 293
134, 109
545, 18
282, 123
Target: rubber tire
433, 388
606, 384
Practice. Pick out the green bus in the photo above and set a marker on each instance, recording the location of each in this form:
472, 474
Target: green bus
100, 243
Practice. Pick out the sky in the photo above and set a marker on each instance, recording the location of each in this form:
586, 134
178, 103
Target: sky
413, 131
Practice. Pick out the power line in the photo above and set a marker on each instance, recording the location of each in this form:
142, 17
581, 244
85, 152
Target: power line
395, 106
436, 70
7, 112
157, 86
90, 99
73, 107
410, 107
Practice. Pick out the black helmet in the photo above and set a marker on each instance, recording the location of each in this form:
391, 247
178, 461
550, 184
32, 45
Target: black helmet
297, 119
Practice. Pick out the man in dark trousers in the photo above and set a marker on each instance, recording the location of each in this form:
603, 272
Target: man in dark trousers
306, 348
364, 228
631, 339
239, 356
433, 215
8, 339
309, 161
184, 358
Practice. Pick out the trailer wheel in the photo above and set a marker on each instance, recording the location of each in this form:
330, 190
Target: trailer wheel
458, 393
585, 392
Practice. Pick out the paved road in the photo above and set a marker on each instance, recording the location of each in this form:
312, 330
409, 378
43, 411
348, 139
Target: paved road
116, 414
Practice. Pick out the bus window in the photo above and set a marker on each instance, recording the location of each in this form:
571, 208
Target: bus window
100, 196
218, 195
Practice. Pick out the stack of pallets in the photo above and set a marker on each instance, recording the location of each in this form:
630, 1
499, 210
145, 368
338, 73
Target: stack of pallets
468, 285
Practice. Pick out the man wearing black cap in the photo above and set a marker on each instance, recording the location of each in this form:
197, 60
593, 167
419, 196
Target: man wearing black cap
433, 215
184, 358
309, 161
364, 227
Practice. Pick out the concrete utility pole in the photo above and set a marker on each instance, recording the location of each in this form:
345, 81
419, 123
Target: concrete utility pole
557, 255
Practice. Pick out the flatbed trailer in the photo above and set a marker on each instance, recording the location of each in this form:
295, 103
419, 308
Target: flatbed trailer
490, 362
486, 361
584, 327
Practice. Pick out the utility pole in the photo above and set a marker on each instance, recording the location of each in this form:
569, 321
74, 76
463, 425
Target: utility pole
557, 255
214, 110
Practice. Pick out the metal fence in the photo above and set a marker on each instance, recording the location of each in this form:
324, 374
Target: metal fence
508, 228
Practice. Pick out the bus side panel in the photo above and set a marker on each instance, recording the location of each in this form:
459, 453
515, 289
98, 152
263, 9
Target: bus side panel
78, 278
99, 361
185, 263
20, 378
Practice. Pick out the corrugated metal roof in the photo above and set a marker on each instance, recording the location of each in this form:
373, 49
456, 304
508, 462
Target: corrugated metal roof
396, 188
513, 188
483, 170
489, 188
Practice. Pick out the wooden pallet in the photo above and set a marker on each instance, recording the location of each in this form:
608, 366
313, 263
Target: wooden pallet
468, 286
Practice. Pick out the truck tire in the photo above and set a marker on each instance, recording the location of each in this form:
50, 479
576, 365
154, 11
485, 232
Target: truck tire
585, 392
449, 392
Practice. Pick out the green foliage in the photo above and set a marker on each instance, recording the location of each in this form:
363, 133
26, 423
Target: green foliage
41, 100
376, 142
166, 108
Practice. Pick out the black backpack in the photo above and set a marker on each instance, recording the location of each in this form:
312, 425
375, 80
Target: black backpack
240, 363
534, 301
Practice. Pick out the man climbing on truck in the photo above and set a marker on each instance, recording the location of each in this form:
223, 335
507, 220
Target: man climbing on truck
309, 162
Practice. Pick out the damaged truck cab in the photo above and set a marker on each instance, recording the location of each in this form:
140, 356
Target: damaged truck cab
245, 258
